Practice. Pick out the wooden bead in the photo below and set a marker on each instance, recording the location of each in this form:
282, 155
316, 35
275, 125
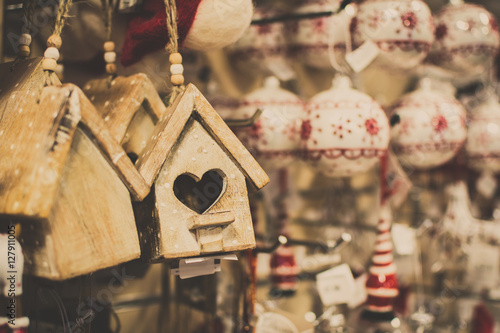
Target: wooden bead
109, 46
175, 58
109, 57
49, 64
111, 68
177, 79
176, 69
54, 41
52, 53
24, 50
25, 39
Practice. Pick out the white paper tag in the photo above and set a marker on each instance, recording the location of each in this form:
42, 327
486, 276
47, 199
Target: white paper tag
336, 285
404, 239
359, 297
363, 56
398, 182
280, 68
483, 265
192, 267
127, 5
271, 322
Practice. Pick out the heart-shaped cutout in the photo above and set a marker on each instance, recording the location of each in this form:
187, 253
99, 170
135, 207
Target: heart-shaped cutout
200, 194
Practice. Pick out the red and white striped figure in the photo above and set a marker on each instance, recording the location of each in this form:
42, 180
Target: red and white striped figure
382, 283
284, 270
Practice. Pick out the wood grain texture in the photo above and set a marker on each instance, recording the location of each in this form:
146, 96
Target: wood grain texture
91, 225
111, 149
119, 100
35, 138
196, 152
192, 104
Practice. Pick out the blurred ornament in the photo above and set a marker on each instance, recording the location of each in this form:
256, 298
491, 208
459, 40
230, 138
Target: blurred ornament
224, 105
482, 320
345, 131
402, 29
274, 138
262, 47
483, 139
428, 127
467, 39
317, 32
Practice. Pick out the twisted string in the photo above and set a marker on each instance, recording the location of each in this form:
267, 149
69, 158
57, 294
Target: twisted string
62, 15
29, 10
173, 41
107, 11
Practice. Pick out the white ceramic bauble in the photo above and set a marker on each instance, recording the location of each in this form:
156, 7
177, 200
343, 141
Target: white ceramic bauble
345, 131
467, 39
429, 127
483, 138
309, 39
218, 23
274, 138
402, 29
260, 44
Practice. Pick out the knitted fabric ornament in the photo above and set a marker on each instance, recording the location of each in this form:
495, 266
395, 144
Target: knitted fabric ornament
202, 25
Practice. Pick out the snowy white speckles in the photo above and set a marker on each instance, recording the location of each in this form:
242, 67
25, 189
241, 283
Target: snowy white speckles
175, 211
54, 115
143, 142
92, 98
205, 151
12, 146
33, 94
106, 103
122, 99
193, 159
167, 185
52, 98
176, 246
37, 146
107, 118
163, 204
232, 176
235, 241
30, 125
20, 110
16, 172
87, 87
179, 151
171, 228
165, 172
13, 96
196, 136
132, 82
1, 132
249, 228
16, 205
113, 82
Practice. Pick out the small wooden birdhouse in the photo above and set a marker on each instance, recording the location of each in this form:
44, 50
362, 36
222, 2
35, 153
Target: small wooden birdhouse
130, 106
63, 177
199, 171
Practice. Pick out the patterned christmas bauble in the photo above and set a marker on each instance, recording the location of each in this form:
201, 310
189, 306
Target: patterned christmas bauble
274, 138
318, 33
402, 29
483, 138
428, 127
261, 45
345, 131
467, 39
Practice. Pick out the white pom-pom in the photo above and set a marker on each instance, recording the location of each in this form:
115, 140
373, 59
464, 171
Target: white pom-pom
51, 53
110, 57
176, 69
219, 23
25, 39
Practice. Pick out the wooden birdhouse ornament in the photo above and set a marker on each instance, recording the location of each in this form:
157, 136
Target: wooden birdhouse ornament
199, 171
130, 107
63, 176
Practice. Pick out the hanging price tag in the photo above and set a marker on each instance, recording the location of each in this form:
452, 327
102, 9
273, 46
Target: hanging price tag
336, 285
404, 239
271, 322
363, 56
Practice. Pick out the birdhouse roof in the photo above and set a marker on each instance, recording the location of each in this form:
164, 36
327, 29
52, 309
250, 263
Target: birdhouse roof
37, 126
192, 104
119, 100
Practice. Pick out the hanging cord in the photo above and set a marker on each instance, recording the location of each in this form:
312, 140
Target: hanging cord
25, 39
109, 45
176, 68
54, 43
335, 20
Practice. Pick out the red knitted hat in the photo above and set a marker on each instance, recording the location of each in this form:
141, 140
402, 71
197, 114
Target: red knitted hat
147, 31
